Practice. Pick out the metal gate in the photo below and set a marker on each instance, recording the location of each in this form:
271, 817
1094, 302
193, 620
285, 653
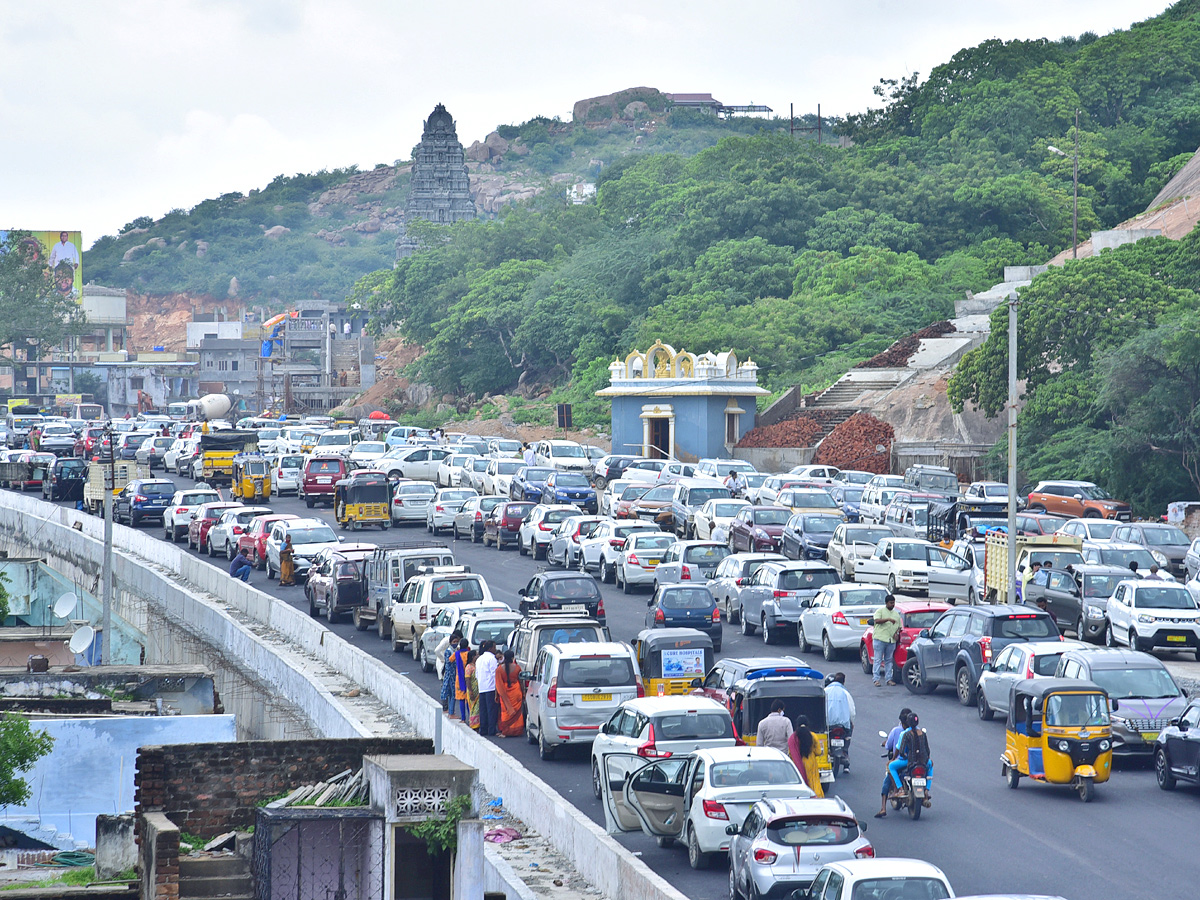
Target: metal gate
319, 853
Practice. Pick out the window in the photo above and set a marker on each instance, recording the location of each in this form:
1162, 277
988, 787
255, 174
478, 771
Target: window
942, 628
978, 626
136, 383
233, 365
959, 626
1190, 719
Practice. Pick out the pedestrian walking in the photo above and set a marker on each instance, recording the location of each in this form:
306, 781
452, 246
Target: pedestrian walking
883, 639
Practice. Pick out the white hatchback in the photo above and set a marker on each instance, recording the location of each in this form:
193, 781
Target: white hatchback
178, 515
714, 514
640, 557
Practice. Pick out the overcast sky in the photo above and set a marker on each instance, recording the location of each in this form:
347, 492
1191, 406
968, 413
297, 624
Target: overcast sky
113, 110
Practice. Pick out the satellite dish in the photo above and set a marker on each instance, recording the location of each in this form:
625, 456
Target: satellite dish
64, 606
82, 639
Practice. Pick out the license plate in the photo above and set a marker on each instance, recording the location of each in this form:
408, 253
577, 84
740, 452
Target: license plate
918, 782
323, 481
574, 607
597, 697
1149, 736
837, 743
1179, 638
651, 563
864, 621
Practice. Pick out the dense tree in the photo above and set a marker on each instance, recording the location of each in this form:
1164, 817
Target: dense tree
20, 748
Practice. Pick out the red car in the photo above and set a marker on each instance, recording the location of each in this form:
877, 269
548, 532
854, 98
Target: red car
254, 542
758, 529
503, 524
914, 615
318, 480
205, 518
88, 443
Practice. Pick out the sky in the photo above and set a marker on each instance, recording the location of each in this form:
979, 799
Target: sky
114, 110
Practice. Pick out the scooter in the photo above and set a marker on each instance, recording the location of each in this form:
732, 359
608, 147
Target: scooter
914, 791
839, 749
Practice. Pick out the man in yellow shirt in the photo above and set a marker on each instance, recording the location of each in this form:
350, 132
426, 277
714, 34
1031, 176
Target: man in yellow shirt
884, 637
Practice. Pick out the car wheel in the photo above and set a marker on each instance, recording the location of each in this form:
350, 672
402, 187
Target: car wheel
891, 584
747, 627
229, 554
913, 679
270, 572
1080, 629
309, 502
383, 625
597, 788
208, 548
521, 548
360, 624
537, 551
528, 725
768, 633
1110, 639
1091, 514
1134, 643
582, 565
731, 615
423, 659
845, 572
415, 647
397, 644
697, 858
1162, 770
331, 615
608, 571
260, 562
312, 607
827, 648
805, 646
168, 533
986, 713
966, 690
972, 600
733, 891
545, 751
664, 842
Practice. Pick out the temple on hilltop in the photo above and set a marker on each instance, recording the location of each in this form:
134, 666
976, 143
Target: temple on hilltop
439, 189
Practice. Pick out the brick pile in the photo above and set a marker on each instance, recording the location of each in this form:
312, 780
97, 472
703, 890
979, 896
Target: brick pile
852, 445
898, 355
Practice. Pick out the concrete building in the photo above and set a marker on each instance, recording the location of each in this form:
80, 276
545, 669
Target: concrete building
679, 404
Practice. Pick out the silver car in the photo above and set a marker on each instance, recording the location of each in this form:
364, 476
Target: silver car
564, 540
687, 561
775, 595
837, 617
1017, 662
410, 501
444, 506
734, 571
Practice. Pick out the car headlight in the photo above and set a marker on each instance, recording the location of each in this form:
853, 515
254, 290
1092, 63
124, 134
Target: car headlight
1093, 612
1104, 745
1063, 746
1160, 558
1145, 619
905, 573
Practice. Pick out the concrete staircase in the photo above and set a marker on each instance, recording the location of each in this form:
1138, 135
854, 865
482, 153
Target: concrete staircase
215, 878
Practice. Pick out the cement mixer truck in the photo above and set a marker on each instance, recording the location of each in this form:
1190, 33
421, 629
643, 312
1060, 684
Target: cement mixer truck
210, 408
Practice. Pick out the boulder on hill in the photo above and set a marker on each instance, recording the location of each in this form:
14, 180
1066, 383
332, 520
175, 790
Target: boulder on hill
276, 232
611, 106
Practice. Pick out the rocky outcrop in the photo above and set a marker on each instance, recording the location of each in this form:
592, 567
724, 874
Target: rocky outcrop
637, 101
377, 181
276, 232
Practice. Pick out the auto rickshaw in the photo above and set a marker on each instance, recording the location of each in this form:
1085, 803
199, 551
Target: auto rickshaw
751, 699
1058, 732
251, 477
363, 499
670, 659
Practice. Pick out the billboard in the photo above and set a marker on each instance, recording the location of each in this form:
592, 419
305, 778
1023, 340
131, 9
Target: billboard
62, 253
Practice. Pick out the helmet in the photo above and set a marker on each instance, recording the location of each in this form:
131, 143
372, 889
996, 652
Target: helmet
830, 679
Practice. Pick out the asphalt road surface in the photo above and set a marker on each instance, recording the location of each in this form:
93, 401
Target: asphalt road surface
1132, 841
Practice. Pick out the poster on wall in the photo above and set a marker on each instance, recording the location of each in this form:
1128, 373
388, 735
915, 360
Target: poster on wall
59, 251
680, 663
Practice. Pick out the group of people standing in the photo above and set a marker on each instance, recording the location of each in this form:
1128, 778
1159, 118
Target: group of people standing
482, 688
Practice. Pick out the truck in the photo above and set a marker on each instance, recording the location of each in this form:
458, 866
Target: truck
124, 471
1060, 550
218, 449
949, 520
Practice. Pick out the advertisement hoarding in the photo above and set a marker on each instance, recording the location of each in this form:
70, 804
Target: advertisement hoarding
62, 253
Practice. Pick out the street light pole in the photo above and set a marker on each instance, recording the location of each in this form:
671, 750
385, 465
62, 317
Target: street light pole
1012, 446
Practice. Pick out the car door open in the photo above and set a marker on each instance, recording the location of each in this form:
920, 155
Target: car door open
644, 795
949, 574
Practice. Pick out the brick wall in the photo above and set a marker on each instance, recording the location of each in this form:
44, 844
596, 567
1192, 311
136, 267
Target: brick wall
159, 857
208, 789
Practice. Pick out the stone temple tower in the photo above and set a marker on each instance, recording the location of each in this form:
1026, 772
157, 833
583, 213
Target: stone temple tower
440, 190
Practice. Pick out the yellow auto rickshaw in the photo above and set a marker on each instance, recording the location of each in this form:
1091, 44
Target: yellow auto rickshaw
803, 694
670, 659
364, 498
1058, 732
251, 477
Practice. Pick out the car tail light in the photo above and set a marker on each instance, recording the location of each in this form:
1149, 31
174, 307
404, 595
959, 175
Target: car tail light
716, 616
438, 508
422, 614
641, 689
544, 525
180, 510
659, 617
715, 810
552, 693
685, 574
985, 645
478, 516
648, 749
867, 852
632, 558
138, 498
600, 607
237, 529
839, 618
906, 638
779, 594
616, 542
397, 502
764, 856
1029, 666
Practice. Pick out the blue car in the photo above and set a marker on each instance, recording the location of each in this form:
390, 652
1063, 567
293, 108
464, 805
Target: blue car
848, 498
143, 499
570, 487
686, 606
529, 482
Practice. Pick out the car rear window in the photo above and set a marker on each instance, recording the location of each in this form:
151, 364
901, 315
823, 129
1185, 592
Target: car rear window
806, 580
458, 590
158, 488
687, 598
554, 516
899, 886
813, 830
746, 772
706, 555
1046, 664
923, 618
518, 510
324, 467
493, 631
571, 589
417, 489
700, 496
570, 634
1029, 626
600, 671
692, 725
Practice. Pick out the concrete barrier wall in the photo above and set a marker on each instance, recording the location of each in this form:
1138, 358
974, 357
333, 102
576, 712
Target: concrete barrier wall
775, 459
205, 601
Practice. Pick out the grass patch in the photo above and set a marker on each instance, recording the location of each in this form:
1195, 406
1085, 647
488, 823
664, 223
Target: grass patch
74, 877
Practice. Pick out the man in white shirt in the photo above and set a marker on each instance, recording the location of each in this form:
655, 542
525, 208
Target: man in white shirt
64, 252
485, 674
530, 457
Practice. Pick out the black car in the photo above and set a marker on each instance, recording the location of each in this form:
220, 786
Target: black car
686, 606
64, 479
1078, 599
1177, 750
806, 535
562, 591
336, 583
142, 499
963, 639
614, 466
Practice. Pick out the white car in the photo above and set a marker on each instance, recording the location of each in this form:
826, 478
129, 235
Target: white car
336, 443
566, 455
472, 476
716, 513
644, 470
1149, 614
899, 563
366, 453
640, 557
724, 784
445, 621
537, 527
599, 551
309, 537
410, 501
1017, 662
296, 440
444, 506
687, 561
412, 462
223, 536
720, 468
502, 448
850, 544
819, 474
885, 877
676, 469
176, 452
267, 438
452, 470
183, 506
608, 498
1094, 531
285, 474
498, 476
771, 488
564, 540
836, 618
153, 450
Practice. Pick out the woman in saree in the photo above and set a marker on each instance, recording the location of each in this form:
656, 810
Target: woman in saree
459, 661
447, 648
472, 691
287, 563
509, 695
802, 750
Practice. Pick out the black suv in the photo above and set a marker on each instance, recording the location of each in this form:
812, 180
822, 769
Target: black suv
954, 650
563, 591
1177, 750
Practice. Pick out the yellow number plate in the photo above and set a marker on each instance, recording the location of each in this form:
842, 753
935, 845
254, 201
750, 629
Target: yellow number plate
654, 562
1150, 736
597, 696
864, 621
1176, 637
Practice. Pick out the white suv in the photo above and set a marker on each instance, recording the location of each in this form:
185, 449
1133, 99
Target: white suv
1149, 614
566, 455
184, 504
537, 528
720, 468
416, 606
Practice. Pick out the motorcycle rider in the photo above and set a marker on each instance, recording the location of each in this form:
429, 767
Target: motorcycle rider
889, 752
913, 749
735, 483
839, 710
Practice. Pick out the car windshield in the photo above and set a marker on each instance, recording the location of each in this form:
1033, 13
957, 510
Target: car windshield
1094, 493
724, 468
700, 496
632, 493
333, 440
157, 488
806, 579
813, 830
1027, 626
456, 461
705, 554
1119, 557
650, 542
812, 500
1075, 710
628, 528
726, 510
908, 551
746, 772
509, 467
598, 671
922, 618
571, 589
70, 463
314, 535
754, 479
1163, 598
852, 495
1062, 558
569, 451
197, 499
939, 482
1158, 537
480, 465
866, 535
572, 480
371, 447
457, 590
507, 446
821, 524
692, 725
686, 598
537, 475
1142, 683
771, 516
899, 886
487, 504
995, 490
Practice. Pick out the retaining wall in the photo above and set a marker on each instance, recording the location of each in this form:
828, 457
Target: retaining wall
151, 573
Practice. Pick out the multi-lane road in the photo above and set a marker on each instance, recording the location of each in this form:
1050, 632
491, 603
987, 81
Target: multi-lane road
1133, 841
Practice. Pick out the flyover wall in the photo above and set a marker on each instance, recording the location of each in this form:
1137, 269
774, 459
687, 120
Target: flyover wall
191, 611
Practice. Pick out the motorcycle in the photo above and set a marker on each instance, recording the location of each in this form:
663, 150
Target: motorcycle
914, 791
839, 749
